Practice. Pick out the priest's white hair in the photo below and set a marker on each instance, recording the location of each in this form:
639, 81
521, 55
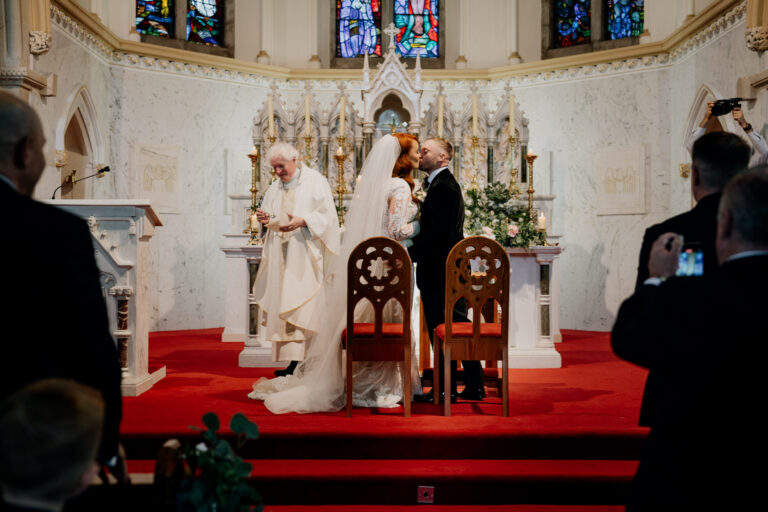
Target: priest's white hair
283, 150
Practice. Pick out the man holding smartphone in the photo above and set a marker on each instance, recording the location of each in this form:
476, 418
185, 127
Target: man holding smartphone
717, 157
703, 338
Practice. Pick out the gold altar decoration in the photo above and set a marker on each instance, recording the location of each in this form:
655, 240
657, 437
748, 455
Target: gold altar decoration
530, 157
253, 223
341, 187
513, 188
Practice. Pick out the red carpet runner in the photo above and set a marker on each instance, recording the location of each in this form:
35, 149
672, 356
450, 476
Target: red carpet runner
571, 437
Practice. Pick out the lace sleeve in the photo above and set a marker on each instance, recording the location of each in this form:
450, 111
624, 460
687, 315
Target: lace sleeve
398, 225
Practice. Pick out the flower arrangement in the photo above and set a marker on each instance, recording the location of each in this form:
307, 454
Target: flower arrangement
497, 213
214, 477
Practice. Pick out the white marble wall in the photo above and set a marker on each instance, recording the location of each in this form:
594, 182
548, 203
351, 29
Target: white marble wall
572, 115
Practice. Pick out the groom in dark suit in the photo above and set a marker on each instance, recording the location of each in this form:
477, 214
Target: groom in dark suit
442, 227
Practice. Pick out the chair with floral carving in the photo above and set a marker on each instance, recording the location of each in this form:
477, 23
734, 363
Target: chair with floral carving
379, 270
477, 270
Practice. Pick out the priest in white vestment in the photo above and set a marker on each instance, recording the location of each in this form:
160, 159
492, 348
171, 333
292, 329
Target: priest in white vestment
302, 234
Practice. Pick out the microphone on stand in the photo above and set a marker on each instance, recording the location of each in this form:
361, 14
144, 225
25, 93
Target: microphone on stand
70, 179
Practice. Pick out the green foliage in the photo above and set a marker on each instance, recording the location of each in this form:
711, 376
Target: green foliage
215, 477
496, 212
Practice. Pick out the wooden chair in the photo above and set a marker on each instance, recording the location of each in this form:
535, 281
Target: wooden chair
379, 269
478, 271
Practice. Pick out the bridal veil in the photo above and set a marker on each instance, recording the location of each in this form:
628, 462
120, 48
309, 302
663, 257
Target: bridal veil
317, 384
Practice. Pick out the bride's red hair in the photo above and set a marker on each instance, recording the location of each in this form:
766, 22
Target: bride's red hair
403, 166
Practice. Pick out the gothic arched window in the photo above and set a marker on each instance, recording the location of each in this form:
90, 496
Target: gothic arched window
581, 26
196, 25
418, 23
205, 21
624, 18
358, 28
155, 17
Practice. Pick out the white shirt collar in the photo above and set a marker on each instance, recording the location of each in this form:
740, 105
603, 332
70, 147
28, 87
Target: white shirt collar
434, 173
746, 254
293, 181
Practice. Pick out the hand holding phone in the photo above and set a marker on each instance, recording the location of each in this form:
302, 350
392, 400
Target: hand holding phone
665, 253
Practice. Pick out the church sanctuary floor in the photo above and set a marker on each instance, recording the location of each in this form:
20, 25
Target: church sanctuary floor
571, 437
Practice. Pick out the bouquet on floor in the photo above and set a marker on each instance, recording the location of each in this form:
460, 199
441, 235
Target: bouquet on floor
497, 213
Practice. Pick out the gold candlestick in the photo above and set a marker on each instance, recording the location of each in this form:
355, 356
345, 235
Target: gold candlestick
530, 157
307, 143
272, 175
513, 188
341, 188
255, 231
473, 184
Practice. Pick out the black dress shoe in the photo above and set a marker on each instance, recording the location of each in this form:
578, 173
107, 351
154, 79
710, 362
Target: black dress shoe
428, 398
472, 394
288, 370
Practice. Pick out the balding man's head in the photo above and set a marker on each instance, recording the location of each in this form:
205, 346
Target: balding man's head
21, 143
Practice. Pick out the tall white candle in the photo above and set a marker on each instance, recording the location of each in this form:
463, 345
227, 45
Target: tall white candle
511, 114
342, 115
474, 115
306, 116
542, 222
271, 116
440, 116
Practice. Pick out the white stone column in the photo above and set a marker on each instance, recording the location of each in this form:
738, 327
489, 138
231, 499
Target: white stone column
314, 58
257, 352
267, 32
531, 310
465, 10
11, 23
512, 33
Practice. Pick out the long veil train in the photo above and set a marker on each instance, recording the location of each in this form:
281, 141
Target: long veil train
317, 384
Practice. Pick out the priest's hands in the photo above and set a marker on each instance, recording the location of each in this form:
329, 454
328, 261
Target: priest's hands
263, 216
665, 255
294, 222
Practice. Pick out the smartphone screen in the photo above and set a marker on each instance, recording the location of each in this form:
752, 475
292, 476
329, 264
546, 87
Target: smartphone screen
691, 262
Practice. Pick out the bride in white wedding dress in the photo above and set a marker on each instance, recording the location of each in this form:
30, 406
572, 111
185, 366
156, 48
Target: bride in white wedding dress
382, 206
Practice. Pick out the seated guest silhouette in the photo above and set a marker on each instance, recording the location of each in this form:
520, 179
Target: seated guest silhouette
49, 434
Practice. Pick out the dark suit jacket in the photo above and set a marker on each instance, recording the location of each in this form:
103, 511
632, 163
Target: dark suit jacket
54, 320
705, 341
698, 225
442, 227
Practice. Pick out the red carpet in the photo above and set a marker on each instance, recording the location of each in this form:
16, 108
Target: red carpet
571, 438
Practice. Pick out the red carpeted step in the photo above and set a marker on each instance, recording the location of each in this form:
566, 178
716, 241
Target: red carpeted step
444, 508
455, 481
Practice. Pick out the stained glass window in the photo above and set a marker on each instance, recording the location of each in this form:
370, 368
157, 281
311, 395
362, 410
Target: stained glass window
572, 22
358, 27
624, 18
417, 21
205, 21
155, 17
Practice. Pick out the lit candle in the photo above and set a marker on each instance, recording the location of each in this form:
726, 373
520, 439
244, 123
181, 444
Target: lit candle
474, 115
306, 116
512, 114
271, 116
254, 221
342, 108
440, 116
340, 151
542, 222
